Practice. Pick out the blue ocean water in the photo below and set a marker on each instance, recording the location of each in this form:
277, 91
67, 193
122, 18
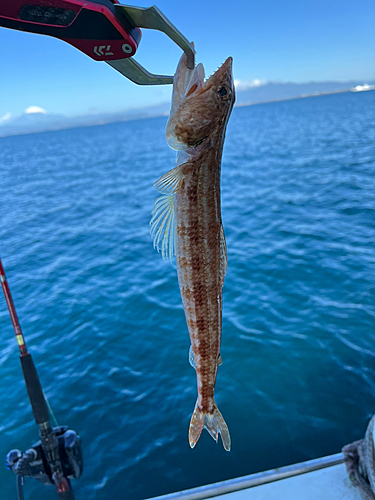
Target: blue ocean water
103, 318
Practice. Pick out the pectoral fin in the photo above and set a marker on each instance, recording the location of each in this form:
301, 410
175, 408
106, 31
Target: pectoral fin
163, 226
171, 181
163, 221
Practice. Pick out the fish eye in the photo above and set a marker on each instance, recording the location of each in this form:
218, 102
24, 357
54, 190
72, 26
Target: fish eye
224, 92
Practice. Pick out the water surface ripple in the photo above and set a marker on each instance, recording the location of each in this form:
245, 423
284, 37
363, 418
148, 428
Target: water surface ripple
103, 318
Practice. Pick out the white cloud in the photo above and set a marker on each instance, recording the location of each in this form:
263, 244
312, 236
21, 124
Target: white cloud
5, 118
249, 84
35, 109
361, 88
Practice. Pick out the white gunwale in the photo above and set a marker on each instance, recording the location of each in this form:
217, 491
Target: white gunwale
253, 480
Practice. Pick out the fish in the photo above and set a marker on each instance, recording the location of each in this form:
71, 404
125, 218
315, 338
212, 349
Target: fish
186, 222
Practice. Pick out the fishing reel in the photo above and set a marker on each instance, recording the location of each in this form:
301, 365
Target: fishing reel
34, 463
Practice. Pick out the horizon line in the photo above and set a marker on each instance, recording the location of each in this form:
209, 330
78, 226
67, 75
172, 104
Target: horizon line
239, 105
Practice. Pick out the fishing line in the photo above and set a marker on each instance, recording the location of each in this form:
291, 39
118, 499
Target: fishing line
54, 420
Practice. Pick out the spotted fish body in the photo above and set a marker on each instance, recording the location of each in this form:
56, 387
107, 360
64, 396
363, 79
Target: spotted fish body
187, 222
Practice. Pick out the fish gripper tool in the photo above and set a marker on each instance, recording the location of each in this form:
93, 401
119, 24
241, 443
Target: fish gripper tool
105, 30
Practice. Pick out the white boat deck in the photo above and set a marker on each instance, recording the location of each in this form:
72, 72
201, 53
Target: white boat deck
321, 479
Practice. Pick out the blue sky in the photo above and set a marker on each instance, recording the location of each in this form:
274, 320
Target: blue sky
270, 40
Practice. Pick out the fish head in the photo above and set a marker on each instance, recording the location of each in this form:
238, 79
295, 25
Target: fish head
199, 108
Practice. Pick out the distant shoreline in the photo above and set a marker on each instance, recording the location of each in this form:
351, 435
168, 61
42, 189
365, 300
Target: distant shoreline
109, 121
303, 96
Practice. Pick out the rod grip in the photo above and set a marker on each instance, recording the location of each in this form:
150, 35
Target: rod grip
34, 390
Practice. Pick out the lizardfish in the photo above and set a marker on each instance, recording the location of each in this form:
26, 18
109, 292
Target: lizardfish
186, 222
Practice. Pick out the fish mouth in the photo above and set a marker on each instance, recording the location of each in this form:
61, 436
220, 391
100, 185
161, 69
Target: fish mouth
200, 86
189, 86
189, 83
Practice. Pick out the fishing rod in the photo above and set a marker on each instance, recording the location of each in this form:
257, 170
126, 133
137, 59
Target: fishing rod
57, 456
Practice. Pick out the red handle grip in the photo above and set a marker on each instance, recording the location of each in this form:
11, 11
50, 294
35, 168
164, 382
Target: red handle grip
95, 27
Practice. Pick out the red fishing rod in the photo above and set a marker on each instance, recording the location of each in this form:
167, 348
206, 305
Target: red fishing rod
57, 457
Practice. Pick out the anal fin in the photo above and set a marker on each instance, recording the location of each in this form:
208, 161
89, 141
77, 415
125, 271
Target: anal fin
223, 256
192, 360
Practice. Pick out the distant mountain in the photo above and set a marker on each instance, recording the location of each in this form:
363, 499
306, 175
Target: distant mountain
272, 91
41, 122
35, 122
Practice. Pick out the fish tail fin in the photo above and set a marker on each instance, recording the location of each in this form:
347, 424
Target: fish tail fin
213, 422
